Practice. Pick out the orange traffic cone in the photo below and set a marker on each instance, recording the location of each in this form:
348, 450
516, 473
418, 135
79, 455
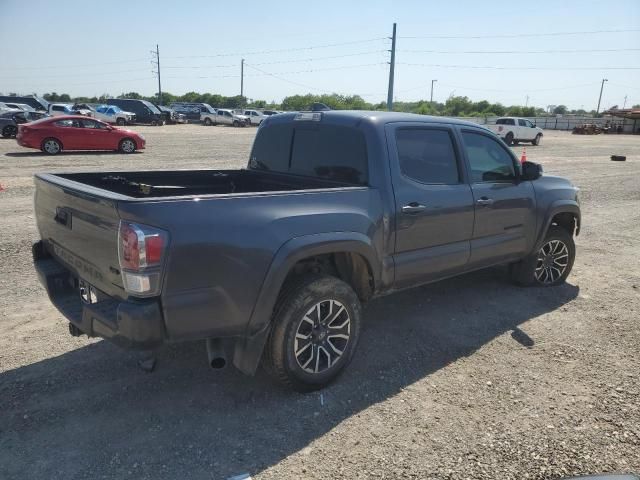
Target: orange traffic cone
524, 155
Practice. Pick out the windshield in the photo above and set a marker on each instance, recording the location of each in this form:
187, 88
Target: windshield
151, 107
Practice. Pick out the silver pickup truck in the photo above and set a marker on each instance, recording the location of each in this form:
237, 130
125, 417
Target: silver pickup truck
223, 116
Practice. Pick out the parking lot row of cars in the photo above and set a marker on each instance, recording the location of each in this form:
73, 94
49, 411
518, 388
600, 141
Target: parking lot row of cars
121, 111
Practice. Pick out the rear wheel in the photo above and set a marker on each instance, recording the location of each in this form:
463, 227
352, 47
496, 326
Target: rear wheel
509, 138
154, 123
315, 332
127, 145
51, 146
537, 140
9, 131
551, 264
208, 122
120, 122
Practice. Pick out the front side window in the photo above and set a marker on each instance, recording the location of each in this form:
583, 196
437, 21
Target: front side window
529, 124
489, 161
522, 123
427, 156
59, 108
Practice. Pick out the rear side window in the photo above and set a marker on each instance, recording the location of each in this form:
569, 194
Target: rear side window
65, 123
427, 156
324, 151
488, 159
505, 121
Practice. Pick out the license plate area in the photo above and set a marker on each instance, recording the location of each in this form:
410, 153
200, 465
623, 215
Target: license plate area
88, 294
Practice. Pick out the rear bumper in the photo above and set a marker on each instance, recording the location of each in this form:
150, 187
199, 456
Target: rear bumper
129, 324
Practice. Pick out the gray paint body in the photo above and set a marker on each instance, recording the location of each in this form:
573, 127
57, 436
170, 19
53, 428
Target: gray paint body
229, 254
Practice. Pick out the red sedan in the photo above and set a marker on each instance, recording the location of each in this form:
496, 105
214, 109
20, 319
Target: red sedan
73, 132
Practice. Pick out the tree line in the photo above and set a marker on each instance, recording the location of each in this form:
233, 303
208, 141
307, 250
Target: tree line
454, 106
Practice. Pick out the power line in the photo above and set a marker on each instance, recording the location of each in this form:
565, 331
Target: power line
75, 75
281, 50
135, 60
281, 79
518, 35
311, 70
502, 90
493, 67
275, 62
519, 52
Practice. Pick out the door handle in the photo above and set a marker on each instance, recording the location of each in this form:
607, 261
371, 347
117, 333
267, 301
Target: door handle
484, 202
414, 207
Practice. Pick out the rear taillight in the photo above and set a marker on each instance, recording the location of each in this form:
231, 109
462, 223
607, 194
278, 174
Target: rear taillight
141, 251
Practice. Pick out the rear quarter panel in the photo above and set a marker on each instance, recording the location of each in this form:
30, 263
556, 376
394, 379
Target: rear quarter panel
221, 248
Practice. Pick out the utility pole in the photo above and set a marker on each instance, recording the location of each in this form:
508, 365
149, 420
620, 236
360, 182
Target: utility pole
242, 78
526, 104
600, 97
432, 82
391, 69
156, 63
624, 105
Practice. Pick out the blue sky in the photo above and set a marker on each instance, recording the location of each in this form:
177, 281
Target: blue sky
90, 48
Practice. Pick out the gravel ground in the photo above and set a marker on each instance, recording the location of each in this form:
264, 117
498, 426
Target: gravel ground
467, 378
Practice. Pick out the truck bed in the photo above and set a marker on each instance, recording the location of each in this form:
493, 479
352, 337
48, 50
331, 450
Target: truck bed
148, 184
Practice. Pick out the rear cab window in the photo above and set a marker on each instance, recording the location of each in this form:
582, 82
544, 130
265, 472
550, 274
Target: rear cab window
326, 151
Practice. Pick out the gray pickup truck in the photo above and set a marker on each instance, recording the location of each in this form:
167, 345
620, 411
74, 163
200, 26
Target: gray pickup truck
273, 262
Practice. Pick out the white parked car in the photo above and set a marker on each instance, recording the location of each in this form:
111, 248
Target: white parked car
224, 117
57, 109
114, 114
255, 117
19, 106
513, 130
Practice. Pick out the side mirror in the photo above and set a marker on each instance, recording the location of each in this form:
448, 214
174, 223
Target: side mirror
531, 171
533, 125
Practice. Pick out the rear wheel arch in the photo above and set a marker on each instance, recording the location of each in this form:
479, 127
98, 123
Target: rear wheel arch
51, 138
352, 251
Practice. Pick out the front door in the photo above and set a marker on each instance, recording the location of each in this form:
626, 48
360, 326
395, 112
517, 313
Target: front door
433, 203
505, 221
97, 136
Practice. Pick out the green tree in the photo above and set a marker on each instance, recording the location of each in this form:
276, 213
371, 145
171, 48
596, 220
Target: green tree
560, 110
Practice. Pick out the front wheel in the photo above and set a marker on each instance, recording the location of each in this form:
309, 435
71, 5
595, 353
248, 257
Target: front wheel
315, 332
551, 264
236, 123
536, 141
120, 122
127, 146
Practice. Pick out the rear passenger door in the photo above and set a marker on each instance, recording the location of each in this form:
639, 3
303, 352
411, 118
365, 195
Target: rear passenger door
524, 133
505, 221
433, 203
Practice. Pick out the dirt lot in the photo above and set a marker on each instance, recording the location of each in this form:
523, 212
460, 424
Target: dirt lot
468, 378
